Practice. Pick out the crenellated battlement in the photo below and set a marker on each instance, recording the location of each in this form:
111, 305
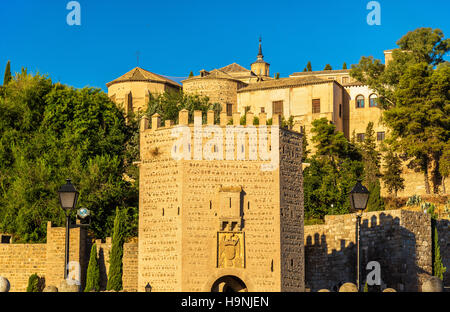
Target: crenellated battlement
223, 141
183, 120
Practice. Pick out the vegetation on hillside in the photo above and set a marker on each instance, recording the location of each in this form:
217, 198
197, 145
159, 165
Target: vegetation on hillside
50, 132
414, 95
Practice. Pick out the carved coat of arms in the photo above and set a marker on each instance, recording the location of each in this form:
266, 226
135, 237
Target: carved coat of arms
230, 249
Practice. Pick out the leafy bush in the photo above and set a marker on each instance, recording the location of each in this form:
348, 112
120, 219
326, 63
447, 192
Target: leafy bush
34, 283
414, 200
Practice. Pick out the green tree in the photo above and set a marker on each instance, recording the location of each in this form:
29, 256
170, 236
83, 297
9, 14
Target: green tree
333, 171
438, 266
304, 145
415, 99
7, 77
344, 66
308, 66
392, 178
328, 67
93, 272
191, 74
34, 283
168, 105
277, 76
49, 132
116, 254
305, 70
371, 159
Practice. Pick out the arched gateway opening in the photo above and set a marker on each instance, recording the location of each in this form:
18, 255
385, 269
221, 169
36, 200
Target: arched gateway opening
229, 283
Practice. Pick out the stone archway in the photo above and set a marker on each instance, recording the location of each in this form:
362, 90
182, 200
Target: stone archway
229, 283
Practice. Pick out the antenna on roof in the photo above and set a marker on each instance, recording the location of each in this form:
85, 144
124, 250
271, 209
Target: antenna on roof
137, 57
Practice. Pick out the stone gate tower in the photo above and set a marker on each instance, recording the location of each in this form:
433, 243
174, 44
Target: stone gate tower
220, 225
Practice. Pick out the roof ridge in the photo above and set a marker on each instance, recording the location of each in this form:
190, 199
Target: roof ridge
140, 74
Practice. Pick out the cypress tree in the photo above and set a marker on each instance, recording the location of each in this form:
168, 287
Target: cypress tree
115, 257
308, 66
191, 74
438, 266
392, 175
328, 67
7, 78
33, 283
305, 70
375, 202
344, 66
371, 160
93, 272
277, 76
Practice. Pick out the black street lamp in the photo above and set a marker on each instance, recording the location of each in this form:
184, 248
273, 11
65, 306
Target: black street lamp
359, 196
148, 288
68, 196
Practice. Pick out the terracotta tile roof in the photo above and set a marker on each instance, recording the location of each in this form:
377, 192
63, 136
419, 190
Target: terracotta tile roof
139, 74
319, 72
233, 68
285, 83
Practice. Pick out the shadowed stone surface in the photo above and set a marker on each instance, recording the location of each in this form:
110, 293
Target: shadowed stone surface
50, 288
4, 284
432, 284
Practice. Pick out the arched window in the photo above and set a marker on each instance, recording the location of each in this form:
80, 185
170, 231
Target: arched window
360, 101
373, 100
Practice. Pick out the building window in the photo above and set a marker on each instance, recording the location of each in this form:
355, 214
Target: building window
360, 101
6, 239
344, 80
229, 109
316, 106
277, 107
263, 110
340, 110
373, 100
129, 103
380, 136
360, 137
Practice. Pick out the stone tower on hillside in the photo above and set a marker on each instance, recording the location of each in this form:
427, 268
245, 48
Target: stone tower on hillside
222, 213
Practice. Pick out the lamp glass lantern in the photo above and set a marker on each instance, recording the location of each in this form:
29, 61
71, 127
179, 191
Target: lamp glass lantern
359, 196
68, 196
148, 288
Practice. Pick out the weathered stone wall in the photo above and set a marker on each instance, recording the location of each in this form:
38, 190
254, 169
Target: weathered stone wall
129, 261
130, 266
19, 261
399, 240
103, 250
291, 212
56, 238
223, 91
119, 93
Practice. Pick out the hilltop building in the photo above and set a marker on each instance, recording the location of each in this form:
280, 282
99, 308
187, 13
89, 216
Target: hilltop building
304, 96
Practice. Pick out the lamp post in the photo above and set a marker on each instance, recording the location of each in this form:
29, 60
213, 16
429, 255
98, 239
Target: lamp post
359, 197
68, 196
148, 288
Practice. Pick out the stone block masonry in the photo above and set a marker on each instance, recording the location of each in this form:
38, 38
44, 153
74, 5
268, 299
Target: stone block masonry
399, 240
19, 261
218, 225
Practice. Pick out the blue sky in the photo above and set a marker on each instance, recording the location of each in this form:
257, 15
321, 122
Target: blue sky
176, 37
